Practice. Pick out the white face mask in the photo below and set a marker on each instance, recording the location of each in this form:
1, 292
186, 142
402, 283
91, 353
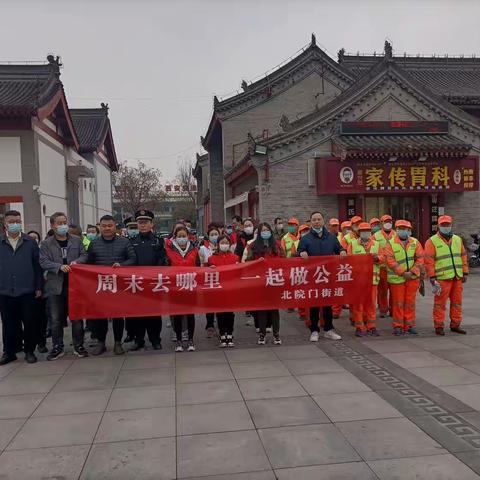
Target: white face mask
365, 235
224, 247
387, 226
248, 230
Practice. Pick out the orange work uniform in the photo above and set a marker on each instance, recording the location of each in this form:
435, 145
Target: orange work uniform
364, 315
384, 299
403, 291
451, 288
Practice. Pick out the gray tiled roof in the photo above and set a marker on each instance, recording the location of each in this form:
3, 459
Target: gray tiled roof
24, 88
449, 77
91, 125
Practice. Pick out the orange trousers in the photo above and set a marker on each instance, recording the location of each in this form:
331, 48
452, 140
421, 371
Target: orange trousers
404, 296
384, 299
364, 315
451, 289
337, 310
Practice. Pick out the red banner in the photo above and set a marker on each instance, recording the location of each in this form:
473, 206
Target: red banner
102, 292
335, 176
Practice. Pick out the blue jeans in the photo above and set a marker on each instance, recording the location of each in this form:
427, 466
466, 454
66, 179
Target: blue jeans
58, 312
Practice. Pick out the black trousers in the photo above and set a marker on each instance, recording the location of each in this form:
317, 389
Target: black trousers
100, 329
315, 318
150, 325
42, 320
177, 325
210, 320
266, 318
18, 311
225, 322
130, 326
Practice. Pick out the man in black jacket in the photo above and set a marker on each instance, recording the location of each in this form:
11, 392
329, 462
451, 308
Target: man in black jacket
20, 284
113, 250
150, 251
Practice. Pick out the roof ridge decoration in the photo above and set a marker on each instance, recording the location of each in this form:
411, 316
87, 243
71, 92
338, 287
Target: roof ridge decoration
367, 85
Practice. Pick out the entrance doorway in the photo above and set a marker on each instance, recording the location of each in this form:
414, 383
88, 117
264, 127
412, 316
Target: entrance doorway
399, 207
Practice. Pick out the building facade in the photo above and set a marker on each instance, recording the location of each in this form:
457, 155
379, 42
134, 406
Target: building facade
364, 135
52, 158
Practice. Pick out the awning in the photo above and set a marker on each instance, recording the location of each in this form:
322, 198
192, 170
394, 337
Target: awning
403, 146
236, 200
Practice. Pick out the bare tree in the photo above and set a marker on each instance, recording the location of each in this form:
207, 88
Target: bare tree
138, 187
186, 180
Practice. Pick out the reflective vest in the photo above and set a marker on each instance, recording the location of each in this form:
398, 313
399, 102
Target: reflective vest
350, 237
380, 238
359, 249
405, 258
448, 258
289, 244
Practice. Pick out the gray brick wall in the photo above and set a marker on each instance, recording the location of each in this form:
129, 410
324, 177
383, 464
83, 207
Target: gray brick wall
465, 210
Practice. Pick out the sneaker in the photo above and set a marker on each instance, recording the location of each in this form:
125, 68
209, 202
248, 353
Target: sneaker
98, 349
80, 351
137, 346
269, 329
261, 340
314, 337
277, 340
129, 339
230, 343
458, 330
191, 346
157, 345
374, 332
118, 349
257, 330
359, 332
397, 331
173, 337
412, 331
42, 348
210, 332
30, 357
223, 341
248, 322
7, 359
332, 335
440, 331
179, 347
56, 353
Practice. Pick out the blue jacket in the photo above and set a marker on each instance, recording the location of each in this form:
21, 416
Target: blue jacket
20, 272
316, 246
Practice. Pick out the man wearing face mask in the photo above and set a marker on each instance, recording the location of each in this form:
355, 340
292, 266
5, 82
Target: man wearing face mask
289, 242
320, 242
404, 259
57, 254
279, 229
131, 226
375, 225
20, 284
447, 267
150, 251
334, 226
365, 315
353, 234
383, 236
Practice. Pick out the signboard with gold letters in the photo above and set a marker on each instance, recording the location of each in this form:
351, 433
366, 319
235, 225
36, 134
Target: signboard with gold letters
335, 176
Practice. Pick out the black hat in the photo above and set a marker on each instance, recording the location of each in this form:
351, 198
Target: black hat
130, 222
144, 215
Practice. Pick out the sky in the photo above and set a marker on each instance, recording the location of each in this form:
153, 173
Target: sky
158, 64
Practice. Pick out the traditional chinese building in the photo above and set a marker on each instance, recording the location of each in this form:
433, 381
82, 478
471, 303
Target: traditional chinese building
51, 158
364, 135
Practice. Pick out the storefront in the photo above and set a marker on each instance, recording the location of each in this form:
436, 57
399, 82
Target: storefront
405, 169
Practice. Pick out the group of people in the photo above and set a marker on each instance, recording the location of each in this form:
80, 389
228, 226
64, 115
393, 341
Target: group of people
34, 276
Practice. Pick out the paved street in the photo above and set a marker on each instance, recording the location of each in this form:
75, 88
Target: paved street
376, 408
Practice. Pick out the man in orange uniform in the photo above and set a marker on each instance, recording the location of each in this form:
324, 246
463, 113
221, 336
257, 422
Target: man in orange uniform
404, 258
376, 225
345, 228
334, 226
447, 267
384, 235
290, 240
365, 315
353, 234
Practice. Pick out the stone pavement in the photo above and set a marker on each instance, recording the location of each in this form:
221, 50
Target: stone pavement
383, 408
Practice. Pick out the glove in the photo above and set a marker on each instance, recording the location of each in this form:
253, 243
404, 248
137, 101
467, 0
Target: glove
436, 288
